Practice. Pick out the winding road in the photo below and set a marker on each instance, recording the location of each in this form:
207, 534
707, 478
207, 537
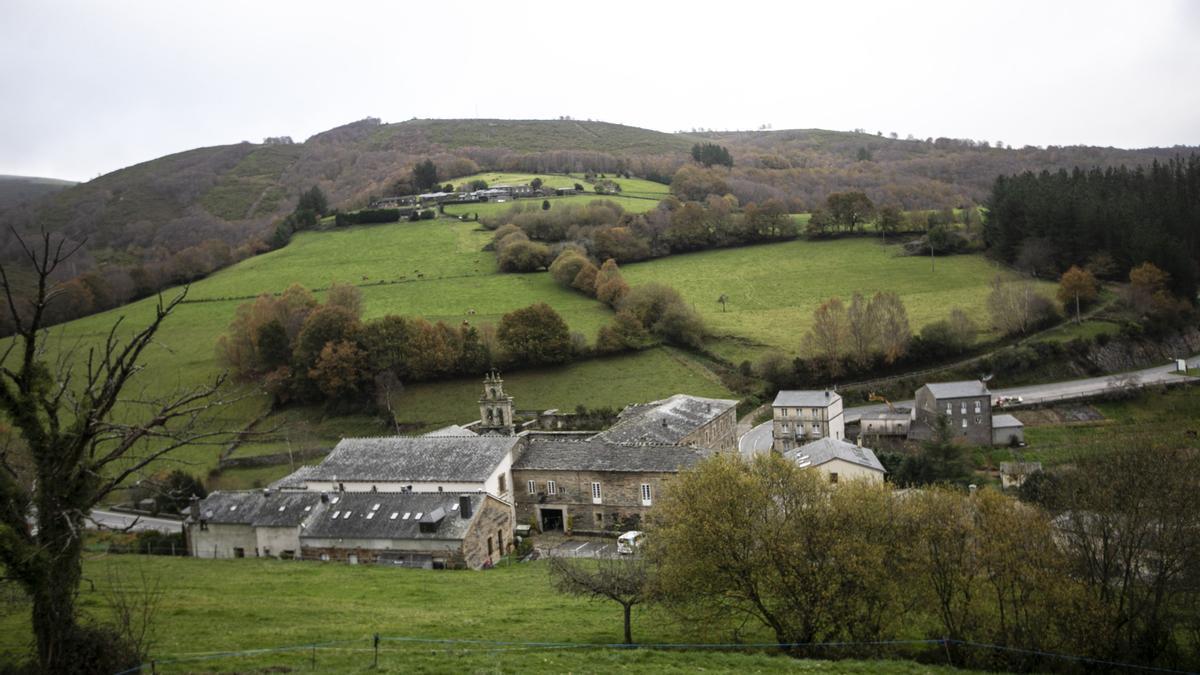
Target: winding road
758, 439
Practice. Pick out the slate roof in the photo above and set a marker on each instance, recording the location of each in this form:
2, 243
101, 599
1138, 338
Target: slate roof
964, 389
665, 421
452, 430
296, 480
258, 508
817, 398
828, 449
411, 458
348, 515
1006, 422
596, 454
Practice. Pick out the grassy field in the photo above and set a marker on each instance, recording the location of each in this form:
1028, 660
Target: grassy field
1150, 419
212, 606
774, 288
632, 204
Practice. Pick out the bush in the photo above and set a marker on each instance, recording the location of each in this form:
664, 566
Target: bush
366, 216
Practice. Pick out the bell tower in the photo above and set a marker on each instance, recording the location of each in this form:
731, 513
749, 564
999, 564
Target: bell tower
495, 408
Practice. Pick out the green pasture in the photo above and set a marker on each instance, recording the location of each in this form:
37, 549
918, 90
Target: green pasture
773, 289
210, 607
631, 204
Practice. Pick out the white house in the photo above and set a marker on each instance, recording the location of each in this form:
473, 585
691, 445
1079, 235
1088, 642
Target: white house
801, 416
838, 460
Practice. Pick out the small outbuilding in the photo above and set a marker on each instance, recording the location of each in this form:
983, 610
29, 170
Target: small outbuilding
1007, 430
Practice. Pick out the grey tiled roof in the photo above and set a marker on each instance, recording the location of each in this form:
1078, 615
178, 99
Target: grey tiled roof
665, 421
401, 458
963, 389
596, 454
818, 398
259, 508
826, 449
295, 480
347, 515
1005, 422
452, 430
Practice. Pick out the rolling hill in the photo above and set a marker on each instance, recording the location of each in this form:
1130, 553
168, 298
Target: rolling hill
17, 190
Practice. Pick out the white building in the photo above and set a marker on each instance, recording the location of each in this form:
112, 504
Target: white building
803, 416
838, 460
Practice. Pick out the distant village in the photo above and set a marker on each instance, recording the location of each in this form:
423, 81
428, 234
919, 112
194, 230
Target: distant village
464, 495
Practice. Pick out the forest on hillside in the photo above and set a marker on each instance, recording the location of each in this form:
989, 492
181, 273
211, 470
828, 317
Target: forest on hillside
178, 218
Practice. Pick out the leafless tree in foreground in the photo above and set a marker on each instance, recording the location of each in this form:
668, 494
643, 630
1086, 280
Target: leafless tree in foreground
82, 439
622, 580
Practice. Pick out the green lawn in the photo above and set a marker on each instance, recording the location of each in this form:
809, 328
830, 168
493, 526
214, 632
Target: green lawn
212, 606
632, 204
774, 288
1088, 330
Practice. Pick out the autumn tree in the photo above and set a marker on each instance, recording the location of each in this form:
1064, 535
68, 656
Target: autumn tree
535, 335
1149, 289
862, 329
850, 210
624, 581
83, 437
894, 331
829, 332
610, 285
341, 371
1078, 286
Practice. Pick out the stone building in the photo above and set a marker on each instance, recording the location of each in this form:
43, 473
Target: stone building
248, 524
412, 529
417, 464
800, 416
593, 485
966, 405
838, 460
437, 529
678, 420
495, 407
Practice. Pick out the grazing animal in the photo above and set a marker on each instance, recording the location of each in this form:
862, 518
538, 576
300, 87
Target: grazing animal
420, 276
471, 312
364, 277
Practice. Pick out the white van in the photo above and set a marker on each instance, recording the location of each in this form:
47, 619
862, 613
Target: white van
628, 543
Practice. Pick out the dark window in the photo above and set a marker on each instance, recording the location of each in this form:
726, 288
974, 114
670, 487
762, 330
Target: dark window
833, 478
489, 547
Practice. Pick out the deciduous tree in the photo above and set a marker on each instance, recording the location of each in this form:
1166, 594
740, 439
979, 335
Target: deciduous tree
1077, 286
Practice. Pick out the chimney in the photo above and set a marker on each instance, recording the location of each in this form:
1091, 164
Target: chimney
827, 392
464, 506
194, 508
664, 422
324, 497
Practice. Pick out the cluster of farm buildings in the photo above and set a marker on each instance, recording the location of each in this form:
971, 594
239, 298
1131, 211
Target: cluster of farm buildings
498, 193
460, 496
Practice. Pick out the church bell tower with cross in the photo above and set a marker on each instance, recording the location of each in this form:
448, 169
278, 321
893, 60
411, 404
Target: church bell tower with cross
495, 408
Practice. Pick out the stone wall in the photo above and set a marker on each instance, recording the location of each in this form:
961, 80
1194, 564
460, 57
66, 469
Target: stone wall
719, 434
494, 521
621, 497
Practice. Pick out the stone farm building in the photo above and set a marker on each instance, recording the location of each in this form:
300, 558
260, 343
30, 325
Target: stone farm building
594, 484
966, 405
678, 420
801, 416
433, 529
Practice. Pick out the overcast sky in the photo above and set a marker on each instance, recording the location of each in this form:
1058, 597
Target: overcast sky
89, 87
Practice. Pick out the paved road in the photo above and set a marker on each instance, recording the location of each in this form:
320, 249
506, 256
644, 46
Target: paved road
115, 520
581, 548
758, 439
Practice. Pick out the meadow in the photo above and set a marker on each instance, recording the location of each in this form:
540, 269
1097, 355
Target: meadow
773, 289
213, 606
632, 204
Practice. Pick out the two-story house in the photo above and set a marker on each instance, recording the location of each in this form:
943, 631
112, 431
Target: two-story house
967, 406
593, 484
801, 416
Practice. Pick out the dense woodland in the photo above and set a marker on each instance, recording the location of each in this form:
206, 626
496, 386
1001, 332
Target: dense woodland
1109, 220
177, 218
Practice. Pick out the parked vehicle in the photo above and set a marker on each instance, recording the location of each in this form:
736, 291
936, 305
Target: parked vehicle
630, 542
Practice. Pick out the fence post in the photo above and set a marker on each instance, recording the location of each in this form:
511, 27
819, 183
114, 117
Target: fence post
375, 664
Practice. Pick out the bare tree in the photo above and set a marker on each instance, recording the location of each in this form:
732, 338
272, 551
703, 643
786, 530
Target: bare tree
862, 328
622, 580
82, 439
827, 337
894, 331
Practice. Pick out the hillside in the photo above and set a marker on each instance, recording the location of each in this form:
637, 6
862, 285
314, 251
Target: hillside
16, 190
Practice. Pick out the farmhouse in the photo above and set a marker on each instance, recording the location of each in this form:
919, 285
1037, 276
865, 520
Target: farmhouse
678, 420
594, 484
838, 460
430, 530
417, 464
439, 529
801, 416
251, 523
966, 405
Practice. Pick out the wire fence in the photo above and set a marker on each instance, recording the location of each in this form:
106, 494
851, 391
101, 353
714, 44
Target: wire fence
367, 652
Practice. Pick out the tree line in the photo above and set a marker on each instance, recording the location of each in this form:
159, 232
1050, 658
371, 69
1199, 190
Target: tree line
1105, 220
1103, 563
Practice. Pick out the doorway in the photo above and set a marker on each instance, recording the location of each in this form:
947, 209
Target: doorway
552, 519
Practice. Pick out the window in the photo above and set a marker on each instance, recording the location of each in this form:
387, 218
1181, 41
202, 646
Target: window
949, 408
964, 423
962, 408
551, 487
833, 477
978, 407
647, 494
816, 430
599, 519
500, 539
531, 486
785, 412
489, 547
503, 484
596, 496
